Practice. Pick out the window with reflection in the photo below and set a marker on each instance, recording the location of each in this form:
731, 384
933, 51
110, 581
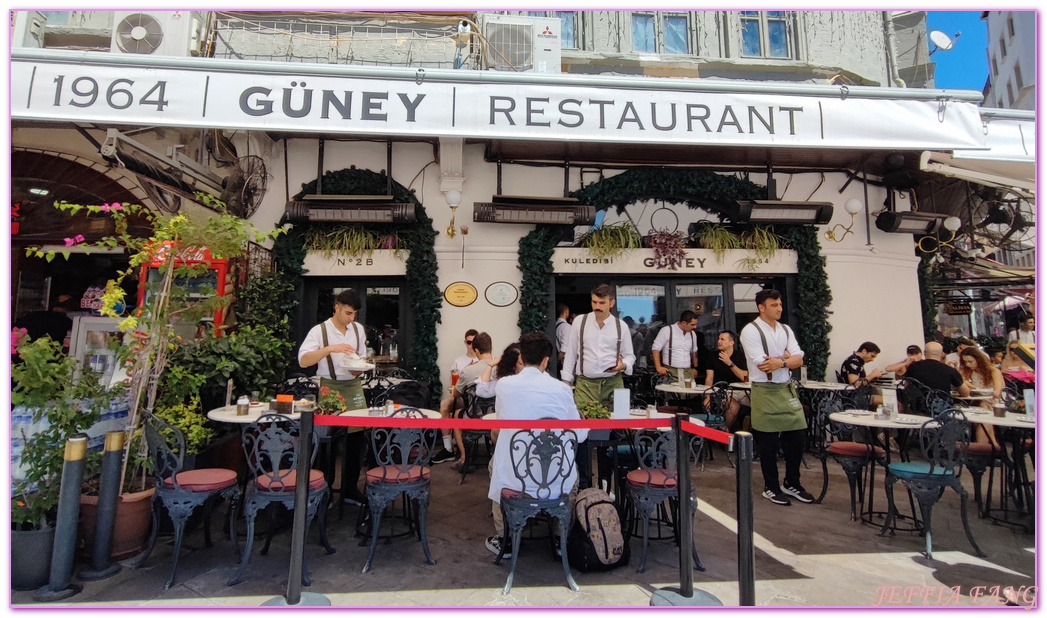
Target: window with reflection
642, 307
659, 32
766, 34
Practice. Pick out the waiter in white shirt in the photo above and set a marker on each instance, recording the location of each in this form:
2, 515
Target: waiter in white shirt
676, 347
599, 350
771, 351
326, 346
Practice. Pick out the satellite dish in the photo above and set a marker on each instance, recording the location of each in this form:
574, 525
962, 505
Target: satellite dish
941, 40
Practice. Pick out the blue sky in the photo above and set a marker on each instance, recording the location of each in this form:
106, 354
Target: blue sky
965, 65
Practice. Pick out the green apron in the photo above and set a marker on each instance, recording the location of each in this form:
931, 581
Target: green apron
596, 389
353, 391
776, 407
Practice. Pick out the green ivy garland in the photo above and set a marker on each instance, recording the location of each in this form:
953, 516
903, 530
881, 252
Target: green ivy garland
928, 307
418, 237
536, 263
696, 189
813, 297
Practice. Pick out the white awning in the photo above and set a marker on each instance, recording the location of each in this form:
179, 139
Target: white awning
59, 85
1009, 162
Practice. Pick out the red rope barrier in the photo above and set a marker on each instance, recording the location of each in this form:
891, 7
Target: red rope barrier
332, 420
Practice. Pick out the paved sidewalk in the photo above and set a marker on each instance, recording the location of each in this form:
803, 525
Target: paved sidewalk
810, 555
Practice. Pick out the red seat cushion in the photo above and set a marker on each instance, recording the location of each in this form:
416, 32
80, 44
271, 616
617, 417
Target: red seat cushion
287, 483
853, 449
205, 479
658, 478
981, 450
393, 474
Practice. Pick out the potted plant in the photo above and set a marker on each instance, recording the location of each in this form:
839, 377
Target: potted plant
611, 241
58, 401
716, 237
330, 402
175, 242
668, 248
594, 410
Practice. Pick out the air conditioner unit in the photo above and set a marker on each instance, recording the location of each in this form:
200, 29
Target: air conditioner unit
158, 33
516, 43
28, 30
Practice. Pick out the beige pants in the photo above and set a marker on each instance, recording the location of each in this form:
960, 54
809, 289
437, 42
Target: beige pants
496, 508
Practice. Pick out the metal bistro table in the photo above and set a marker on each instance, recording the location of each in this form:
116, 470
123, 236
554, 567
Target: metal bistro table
866, 418
1016, 483
227, 414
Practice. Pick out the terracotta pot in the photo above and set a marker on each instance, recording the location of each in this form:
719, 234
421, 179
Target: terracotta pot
31, 557
134, 520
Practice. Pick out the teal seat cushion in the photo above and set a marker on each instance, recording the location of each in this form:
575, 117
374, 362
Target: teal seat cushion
914, 469
708, 418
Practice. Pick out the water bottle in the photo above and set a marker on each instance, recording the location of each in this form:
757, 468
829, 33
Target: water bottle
803, 374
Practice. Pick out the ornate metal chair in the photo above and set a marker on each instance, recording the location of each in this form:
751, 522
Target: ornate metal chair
657, 480
182, 491
854, 457
272, 447
473, 407
543, 462
943, 441
717, 399
402, 455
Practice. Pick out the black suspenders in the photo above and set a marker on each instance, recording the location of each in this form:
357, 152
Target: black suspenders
581, 343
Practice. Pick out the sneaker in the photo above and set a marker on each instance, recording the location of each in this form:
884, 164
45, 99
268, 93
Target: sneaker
777, 497
494, 545
442, 456
799, 493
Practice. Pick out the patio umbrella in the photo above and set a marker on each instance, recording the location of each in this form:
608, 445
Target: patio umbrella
1009, 302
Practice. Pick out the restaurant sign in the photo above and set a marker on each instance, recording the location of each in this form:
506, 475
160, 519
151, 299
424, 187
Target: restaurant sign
377, 263
695, 261
273, 96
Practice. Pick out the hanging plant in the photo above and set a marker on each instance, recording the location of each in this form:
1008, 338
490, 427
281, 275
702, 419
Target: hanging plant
668, 248
416, 240
611, 241
536, 265
762, 241
717, 238
813, 297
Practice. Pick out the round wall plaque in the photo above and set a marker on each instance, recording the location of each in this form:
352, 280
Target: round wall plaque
501, 294
460, 294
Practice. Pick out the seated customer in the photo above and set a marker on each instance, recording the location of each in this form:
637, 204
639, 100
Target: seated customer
1013, 362
977, 372
913, 353
933, 373
853, 368
529, 395
481, 345
728, 365
953, 360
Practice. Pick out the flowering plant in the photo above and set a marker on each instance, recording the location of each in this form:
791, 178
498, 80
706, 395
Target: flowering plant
594, 409
16, 337
1016, 405
331, 401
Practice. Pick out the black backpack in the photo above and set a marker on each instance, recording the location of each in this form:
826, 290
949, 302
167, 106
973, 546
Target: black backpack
596, 541
410, 393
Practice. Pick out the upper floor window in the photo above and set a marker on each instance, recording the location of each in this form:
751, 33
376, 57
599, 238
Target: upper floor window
766, 34
660, 32
1010, 94
568, 26
57, 18
995, 69
1018, 83
1010, 25
1003, 48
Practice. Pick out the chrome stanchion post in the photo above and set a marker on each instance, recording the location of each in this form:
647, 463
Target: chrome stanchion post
685, 595
59, 587
294, 595
108, 495
746, 549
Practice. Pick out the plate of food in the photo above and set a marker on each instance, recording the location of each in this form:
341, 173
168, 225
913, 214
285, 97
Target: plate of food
353, 362
860, 412
911, 420
1026, 419
638, 412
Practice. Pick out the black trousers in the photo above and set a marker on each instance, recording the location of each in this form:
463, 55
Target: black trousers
767, 444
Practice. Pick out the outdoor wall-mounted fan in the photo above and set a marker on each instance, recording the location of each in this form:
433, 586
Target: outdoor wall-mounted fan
138, 34
244, 187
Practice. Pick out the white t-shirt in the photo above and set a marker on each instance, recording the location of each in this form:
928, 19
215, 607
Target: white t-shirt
462, 362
